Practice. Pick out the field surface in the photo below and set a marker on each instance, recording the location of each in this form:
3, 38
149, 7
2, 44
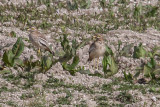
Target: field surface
130, 28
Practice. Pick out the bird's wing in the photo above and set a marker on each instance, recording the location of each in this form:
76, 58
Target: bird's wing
92, 47
41, 39
40, 35
45, 44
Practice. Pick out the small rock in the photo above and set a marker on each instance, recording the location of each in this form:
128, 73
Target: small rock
38, 86
154, 99
41, 77
42, 7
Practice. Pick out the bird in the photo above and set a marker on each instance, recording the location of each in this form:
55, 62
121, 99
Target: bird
39, 40
97, 49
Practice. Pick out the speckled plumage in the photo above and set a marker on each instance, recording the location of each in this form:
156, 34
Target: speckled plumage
97, 49
39, 40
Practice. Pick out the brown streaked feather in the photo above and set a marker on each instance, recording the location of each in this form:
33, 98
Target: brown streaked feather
96, 49
92, 47
39, 40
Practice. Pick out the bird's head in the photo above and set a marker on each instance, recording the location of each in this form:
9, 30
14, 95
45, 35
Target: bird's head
32, 29
98, 38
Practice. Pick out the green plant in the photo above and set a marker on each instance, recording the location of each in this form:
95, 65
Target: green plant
152, 11
102, 3
63, 101
154, 52
11, 57
125, 97
70, 52
72, 6
29, 64
139, 51
138, 12
84, 4
45, 25
126, 50
71, 67
109, 64
46, 63
151, 69
43, 65
12, 34
128, 77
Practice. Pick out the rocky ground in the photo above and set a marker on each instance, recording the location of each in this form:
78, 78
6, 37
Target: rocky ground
57, 87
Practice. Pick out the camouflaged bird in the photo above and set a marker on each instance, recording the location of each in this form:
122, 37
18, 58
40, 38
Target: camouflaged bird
39, 40
97, 48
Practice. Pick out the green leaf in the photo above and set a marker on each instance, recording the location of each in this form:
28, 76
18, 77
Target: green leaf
46, 63
18, 61
150, 54
85, 4
72, 6
147, 70
85, 71
137, 74
109, 60
111, 1
153, 63
152, 11
74, 44
128, 77
18, 48
8, 58
126, 50
119, 44
137, 12
65, 43
73, 65
13, 34
139, 51
108, 51
154, 52
157, 71
102, 3
113, 67
5, 71
104, 63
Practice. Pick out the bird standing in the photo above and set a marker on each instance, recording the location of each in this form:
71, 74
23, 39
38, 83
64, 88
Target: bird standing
97, 49
39, 40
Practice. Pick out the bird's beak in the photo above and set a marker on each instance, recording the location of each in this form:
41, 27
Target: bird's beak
31, 29
94, 37
28, 29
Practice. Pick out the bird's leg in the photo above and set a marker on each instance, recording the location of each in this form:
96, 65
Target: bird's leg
89, 65
39, 52
97, 63
94, 64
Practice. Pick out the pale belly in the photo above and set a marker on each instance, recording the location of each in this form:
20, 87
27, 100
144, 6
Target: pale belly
98, 53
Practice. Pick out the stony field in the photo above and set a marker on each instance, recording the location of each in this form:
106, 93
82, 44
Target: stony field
131, 29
